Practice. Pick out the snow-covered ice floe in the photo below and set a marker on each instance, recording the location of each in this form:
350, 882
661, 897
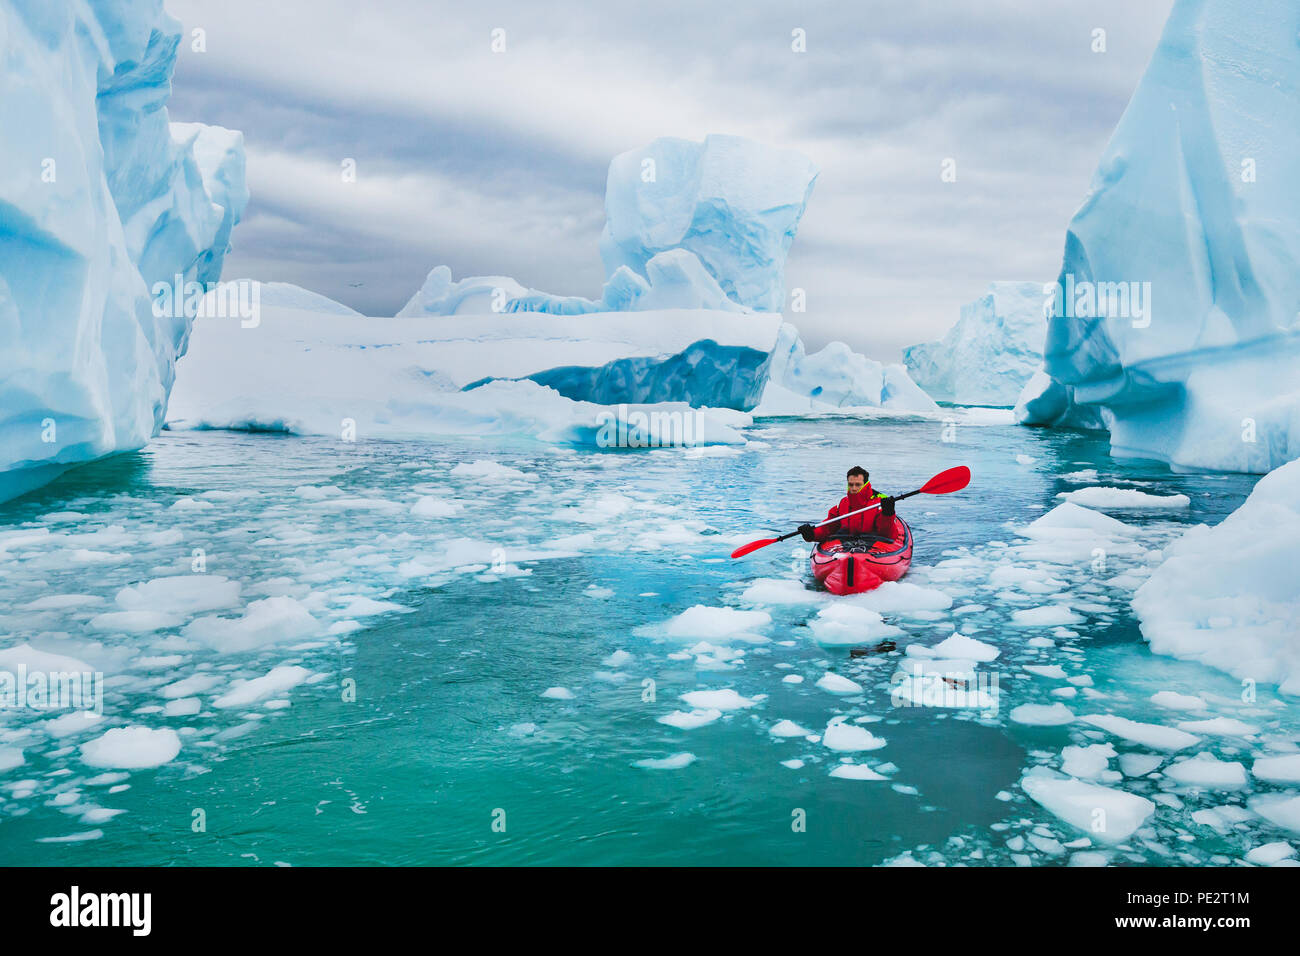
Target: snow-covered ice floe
1228, 596
618, 380
101, 198
1176, 316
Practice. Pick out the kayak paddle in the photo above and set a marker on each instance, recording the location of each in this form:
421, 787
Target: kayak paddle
954, 479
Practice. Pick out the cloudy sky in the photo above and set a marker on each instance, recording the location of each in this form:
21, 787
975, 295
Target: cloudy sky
494, 162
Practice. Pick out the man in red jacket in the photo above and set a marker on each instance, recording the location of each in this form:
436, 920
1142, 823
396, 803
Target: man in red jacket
877, 521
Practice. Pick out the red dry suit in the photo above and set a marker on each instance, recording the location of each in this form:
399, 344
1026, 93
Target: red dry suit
869, 522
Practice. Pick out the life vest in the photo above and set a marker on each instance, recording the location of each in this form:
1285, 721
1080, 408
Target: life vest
869, 522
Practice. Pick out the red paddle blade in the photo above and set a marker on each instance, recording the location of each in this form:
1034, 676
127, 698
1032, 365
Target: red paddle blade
744, 549
954, 479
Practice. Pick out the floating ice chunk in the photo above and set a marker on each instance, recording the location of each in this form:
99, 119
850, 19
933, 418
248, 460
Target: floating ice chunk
1207, 771
1270, 853
491, 470
1088, 763
856, 771
684, 720
1176, 701
617, 659
264, 622
431, 507
895, 597
1049, 615
780, 591
1139, 765
724, 700
1284, 769
276, 681
132, 748
1122, 498
11, 757
715, 622
1071, 519
675, 762
134, 622
1280, 809
59, 602
792, 679
840, 624
1155, 736
558, 693
1042, 715
795, 764
73, 723
849, 738
188, 686
27, 657
182, 707
957, 645
836, 684
1104, 813
181, 594
788, 728
1052, 671
1219, 726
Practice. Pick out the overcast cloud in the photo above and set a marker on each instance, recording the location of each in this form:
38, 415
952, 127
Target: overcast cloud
494, 163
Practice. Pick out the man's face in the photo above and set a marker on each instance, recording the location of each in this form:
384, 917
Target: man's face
856, 483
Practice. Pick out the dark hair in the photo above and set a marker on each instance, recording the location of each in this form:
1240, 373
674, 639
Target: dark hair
858, 470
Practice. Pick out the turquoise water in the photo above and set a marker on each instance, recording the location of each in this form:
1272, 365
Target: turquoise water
448, 752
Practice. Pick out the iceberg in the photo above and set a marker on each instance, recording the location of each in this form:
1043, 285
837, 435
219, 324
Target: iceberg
100, 198
688, 226
1239, 613
990, 353
835, 379
1175, 321
734, 203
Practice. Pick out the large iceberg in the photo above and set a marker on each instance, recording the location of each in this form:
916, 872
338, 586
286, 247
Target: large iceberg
835, 379
100, 198
1178, 299
688, 226
1226, 596
990, 353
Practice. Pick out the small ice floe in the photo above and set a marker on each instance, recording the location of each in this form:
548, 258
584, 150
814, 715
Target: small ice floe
482, 468
1042, 715
433, 507
1049, 615
1155, 736
956, 645
901, 597
132, 748
1271, 853
714, 623
842, 624
1207, 772
1176, 701
792, 679
1090, 763
723, 700
275, 682
835, 684
849, 738
1108, 499
1078, 802
788, 728
781, 591
1284, 769
674, 762
1050, 671
856, 771
558, 693
1139, 765
617, 659
1219, 727
689, 720
795, 764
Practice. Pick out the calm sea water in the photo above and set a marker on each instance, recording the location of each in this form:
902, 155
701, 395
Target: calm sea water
423, 736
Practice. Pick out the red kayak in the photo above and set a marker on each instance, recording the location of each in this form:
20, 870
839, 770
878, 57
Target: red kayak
851, 565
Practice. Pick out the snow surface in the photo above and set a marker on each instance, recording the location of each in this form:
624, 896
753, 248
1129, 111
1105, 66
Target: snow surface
1195, 197
100, 197
990, 353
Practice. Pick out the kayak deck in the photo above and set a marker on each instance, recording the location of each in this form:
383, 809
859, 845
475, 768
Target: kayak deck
852, 565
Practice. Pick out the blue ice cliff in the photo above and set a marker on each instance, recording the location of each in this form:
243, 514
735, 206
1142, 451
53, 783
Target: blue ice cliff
100, 197
990, 353
1176, 321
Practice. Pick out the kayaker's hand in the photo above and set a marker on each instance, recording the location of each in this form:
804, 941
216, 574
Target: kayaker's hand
887, 507
807, 531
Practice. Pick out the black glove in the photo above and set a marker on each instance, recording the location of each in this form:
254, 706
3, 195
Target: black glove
806, 530
887, 507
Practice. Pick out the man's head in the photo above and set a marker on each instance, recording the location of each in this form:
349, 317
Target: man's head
857, 478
